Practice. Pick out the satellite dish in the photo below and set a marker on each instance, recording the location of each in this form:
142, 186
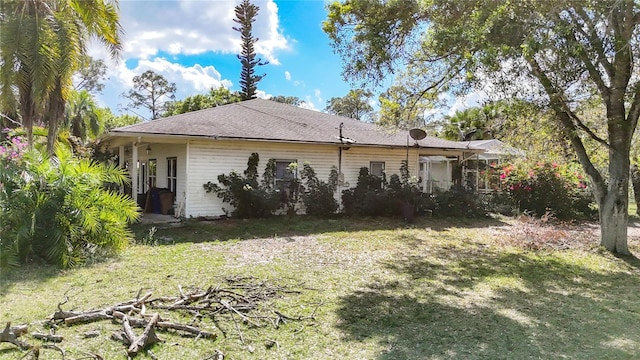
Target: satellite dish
417, 134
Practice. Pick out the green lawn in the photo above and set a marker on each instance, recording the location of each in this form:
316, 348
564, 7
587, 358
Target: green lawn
380, 289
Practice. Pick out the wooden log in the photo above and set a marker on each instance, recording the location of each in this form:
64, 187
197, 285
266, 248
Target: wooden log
61, 315
128, 333
10, 334
147, 338
88, 317
134, 322
121, 337
188, 329
48, 337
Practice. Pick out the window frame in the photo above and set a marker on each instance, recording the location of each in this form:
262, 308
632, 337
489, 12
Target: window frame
372, 163
152, 173
172, 174
279, 180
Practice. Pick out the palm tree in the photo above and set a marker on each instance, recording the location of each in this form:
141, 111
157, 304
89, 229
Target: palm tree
81, 116
42, 44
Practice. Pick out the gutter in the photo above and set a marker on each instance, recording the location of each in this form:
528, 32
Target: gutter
112, 135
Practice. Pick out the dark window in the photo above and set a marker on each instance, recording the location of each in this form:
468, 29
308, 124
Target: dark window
153, 173
376, 168
172, 174
285, 172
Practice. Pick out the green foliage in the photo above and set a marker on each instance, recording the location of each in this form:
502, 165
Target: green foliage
91, 75
548, 188
111, 121
458, 202
215, 97
151, 92
401, 107
246, 13
368, 197
291, 100
82, 116
317, 195
249, 197
375, 196
354, 105
565, 52
58, 210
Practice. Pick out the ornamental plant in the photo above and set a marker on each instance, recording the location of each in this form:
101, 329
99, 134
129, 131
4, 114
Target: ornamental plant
547, 187
249, 197
57, 210
317, 195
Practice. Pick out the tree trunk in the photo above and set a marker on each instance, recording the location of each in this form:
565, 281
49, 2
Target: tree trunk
613, 205
613, 224
635, 182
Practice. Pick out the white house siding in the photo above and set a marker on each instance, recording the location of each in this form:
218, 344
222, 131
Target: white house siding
358, 157
207, 160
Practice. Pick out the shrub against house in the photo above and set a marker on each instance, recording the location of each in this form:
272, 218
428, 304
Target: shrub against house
372, 196
59, 209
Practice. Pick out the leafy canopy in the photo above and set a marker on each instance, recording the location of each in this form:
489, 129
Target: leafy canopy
554, 53
354, 105
151, 92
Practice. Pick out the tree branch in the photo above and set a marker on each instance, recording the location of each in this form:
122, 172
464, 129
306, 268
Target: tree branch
634, 111
570, 129
594, 39
595, 75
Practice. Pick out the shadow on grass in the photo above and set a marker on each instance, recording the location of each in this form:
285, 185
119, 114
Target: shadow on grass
30, 273
242, 229
479, 304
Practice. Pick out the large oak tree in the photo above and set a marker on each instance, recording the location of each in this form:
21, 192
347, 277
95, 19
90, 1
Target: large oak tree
554, 52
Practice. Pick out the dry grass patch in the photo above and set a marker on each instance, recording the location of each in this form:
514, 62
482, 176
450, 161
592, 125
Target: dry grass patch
436, 289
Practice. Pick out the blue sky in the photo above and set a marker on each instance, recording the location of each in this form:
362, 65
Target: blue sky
192, 44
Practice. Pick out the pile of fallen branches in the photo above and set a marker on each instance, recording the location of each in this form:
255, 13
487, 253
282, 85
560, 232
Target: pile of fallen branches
241, 300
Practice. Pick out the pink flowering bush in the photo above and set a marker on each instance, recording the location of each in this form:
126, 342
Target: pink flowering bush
12, 149
547, 187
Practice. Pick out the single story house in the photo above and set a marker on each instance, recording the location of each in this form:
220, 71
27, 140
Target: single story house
183, 152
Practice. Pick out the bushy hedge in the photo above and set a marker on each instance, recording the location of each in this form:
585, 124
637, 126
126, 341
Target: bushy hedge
57, 209
401, 196
249, 197
317, 195
546, 187
370, 197
459, 201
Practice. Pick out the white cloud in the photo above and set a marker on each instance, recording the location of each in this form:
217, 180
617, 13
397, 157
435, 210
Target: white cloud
473, 99
263, 95
194, 27
287, 75
308, 105
188, 79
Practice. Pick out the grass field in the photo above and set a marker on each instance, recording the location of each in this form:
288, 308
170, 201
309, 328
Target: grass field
377, 289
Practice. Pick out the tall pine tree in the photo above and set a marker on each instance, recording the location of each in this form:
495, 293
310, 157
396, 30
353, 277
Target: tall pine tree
245, 15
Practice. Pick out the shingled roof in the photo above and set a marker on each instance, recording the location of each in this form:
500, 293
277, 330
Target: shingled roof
260, 119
